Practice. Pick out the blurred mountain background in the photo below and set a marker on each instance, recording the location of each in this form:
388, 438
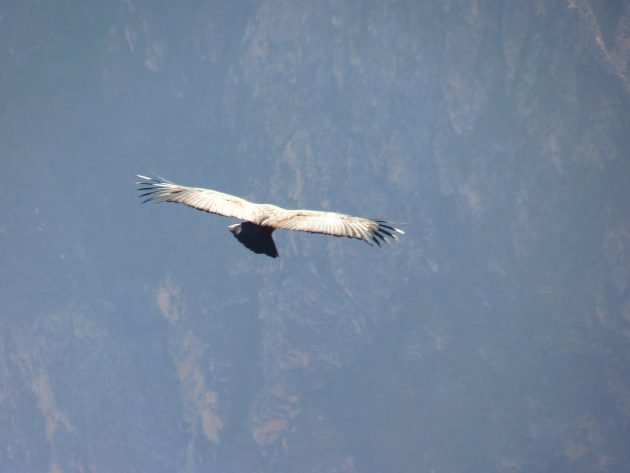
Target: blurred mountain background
495, 337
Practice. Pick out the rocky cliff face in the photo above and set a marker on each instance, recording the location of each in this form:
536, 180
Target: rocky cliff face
494, 337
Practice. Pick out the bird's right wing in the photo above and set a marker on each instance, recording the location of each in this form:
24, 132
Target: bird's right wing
336, 224
160, 190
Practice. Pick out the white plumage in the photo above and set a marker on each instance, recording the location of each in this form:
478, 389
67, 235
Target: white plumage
260, 220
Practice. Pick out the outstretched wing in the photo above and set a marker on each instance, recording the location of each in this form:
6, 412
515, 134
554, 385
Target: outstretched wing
336, 224
160, 190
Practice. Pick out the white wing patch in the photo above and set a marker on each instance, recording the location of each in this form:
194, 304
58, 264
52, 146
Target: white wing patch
160, 190
336, 224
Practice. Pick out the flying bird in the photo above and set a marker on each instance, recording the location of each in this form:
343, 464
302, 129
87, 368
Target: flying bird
260, 220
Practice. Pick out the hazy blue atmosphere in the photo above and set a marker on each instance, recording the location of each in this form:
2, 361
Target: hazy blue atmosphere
494, 337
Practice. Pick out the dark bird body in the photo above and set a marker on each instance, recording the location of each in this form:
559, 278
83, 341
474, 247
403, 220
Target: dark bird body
260, 220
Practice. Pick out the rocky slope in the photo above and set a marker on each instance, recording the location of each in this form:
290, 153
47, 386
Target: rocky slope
494, 337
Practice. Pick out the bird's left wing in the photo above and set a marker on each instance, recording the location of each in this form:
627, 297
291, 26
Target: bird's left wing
336, 224
160, 190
